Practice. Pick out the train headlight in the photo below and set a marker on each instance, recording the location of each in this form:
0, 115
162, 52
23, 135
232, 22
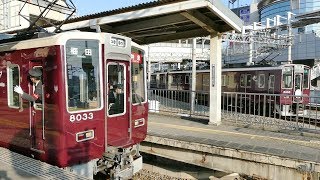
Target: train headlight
84, 135
139, 122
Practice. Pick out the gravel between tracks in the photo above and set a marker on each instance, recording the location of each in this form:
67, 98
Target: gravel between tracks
148, 175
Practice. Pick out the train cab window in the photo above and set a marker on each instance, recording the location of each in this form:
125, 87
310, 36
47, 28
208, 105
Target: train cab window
83, 75
287, 77
261, 80
116, 88
306, 78
138, 80
13, 79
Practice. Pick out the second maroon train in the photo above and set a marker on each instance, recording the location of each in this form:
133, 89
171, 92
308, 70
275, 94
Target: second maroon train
286, 87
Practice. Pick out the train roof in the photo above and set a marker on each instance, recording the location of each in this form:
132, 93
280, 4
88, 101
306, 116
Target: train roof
137, 46
57, 39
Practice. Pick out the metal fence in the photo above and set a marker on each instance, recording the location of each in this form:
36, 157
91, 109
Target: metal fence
262, 110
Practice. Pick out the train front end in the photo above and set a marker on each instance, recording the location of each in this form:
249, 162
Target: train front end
126, 110
106, 109
295, 89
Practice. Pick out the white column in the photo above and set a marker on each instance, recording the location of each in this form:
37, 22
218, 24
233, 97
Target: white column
215, 79
149, 67
193, 77
290, 36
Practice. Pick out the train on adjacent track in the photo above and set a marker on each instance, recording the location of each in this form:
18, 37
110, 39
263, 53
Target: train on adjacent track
76, 125
286, 87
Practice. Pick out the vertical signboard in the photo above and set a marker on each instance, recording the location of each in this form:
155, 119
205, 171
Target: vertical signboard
213, 75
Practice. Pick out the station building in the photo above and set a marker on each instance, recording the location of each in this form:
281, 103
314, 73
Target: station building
306, 38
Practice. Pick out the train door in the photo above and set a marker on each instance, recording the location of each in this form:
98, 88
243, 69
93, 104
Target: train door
36, 114
298, 84
118, 113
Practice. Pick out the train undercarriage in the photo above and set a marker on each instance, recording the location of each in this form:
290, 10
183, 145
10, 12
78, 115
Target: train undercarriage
116, 163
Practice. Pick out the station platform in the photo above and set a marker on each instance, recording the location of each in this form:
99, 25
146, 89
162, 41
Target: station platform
14, 166
273, 154
285, 144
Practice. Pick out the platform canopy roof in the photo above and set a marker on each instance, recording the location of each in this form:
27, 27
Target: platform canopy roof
162, 20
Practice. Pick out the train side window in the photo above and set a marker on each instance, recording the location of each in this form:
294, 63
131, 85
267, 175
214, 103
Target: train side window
248, 80
174, 79
180, 79
261, 81
187, 79
271, 81
153, 78
162, 79
242, 80
223, 82
13, 79
138, 80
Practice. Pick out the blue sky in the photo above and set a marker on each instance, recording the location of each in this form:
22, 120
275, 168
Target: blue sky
85, 7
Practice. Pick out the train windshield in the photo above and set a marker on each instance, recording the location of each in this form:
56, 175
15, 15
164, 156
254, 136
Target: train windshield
287, 77
83, 80
138, 82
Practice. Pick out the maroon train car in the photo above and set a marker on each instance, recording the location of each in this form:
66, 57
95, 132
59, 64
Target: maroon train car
72, 126
285, 82
283, 85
